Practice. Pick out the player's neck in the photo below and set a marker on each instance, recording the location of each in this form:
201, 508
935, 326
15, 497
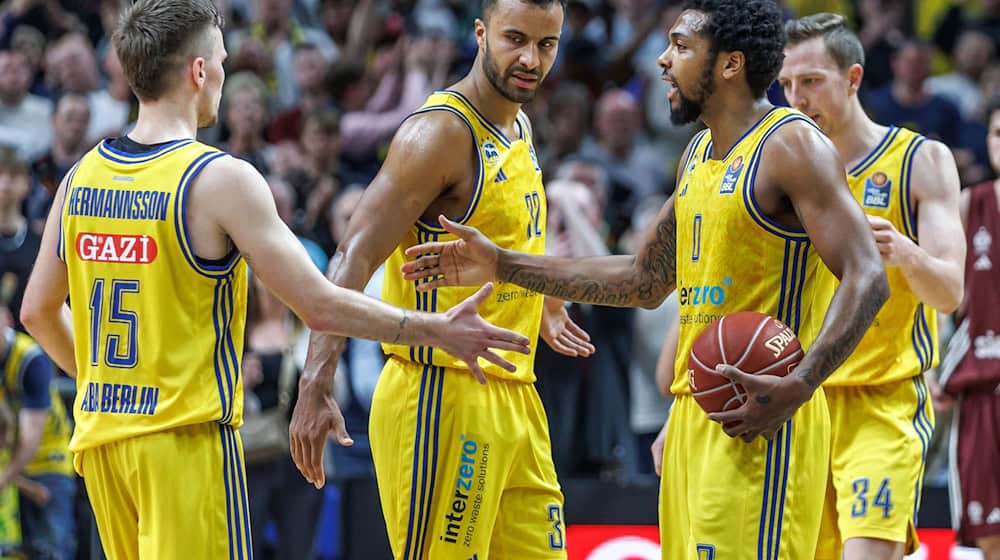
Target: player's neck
730, 119
856, 136
496, 108
164, 120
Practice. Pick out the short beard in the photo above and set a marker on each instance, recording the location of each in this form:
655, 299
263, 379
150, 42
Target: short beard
690, 109
501, 82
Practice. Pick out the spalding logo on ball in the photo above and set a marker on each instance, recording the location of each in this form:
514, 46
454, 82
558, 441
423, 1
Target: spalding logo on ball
752, 342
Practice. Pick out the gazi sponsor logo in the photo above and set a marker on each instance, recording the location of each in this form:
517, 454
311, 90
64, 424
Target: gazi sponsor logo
463, 488
704, 295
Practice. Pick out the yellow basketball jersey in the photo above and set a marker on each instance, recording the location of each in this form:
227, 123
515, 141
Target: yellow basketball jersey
730, 256
53, 455
508, 206
158, 332
902, 341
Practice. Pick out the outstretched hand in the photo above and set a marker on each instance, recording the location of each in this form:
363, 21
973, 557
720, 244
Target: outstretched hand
770, 402
470, 260
468, 337
561, 333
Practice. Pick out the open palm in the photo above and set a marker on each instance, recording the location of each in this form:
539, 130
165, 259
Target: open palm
470, 260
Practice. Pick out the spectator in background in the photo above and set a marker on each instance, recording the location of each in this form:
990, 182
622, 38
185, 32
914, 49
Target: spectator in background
117, 84
971, 56
881, 33
21, 112
285, 199
244, 101
70, 120
19, 243
958, 19
621, 147
905, 102
42, 453
310, 71
71, 66
267, 48
31, 42
568, 120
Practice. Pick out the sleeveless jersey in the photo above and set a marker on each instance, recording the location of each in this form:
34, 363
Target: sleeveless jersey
902, 340
979, 335
53, 455
730, 256
508, 206
158, 332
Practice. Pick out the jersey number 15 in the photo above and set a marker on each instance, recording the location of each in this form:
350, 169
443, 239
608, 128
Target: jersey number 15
120, 351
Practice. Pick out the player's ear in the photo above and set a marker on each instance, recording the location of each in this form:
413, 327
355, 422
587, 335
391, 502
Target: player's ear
197, 71
480, 29
854, 76
732, 63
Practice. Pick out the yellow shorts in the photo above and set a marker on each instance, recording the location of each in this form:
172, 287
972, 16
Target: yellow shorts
721, 498
880, 438
179, 494
464, 470
10, 520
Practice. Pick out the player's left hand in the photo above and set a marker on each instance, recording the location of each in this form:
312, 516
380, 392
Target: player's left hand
896, 249
770, 402
561, 333
316, 414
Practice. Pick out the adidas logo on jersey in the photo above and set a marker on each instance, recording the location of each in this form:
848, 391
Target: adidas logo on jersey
501, 176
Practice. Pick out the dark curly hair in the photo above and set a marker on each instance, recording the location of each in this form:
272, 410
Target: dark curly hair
754, 27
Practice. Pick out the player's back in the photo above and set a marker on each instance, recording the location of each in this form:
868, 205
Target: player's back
902, 340
158, 331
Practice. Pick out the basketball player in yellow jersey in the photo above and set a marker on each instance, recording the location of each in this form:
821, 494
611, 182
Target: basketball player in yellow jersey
463, 471
150, 236
760, 201
880, 411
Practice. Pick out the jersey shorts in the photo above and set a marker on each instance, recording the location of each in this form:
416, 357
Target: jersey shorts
975, 462
879, 446
178, 493
722, 498
464, 470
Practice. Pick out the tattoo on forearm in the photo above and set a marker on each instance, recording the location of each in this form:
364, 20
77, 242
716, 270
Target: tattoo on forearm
833, 354
402, 325
657, 274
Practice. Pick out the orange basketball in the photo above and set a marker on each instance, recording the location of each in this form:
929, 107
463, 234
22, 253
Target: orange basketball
753, 342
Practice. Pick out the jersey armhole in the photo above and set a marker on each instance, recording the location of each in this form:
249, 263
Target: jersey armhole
909, 214
477, 191
210, 268
60, 241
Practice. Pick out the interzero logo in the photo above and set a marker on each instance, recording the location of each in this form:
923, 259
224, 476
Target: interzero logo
103, 247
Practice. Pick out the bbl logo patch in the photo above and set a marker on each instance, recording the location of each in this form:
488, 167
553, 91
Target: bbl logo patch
732, 175
490, 153
877, 190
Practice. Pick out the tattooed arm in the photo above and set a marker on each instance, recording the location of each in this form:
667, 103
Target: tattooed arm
642, 280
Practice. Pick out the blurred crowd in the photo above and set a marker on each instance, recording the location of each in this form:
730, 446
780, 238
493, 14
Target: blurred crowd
314, 93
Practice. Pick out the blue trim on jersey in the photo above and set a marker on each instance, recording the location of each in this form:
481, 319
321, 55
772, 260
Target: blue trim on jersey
793, 281
109, 153
787, 432
230, 346
218, 356
876, 153
708, 151
226, 481
431, 434
692, 152
180, 220
60, 242
477, 191
804, 247
408, 550
924, 429
909, 217
748, 131
487, 124
238, 461
763, 503
750, 203
931, 342
920, 335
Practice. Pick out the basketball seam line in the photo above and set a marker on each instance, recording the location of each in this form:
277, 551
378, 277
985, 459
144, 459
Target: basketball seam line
749, 347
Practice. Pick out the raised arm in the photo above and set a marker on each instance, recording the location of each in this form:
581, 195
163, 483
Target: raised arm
934, 266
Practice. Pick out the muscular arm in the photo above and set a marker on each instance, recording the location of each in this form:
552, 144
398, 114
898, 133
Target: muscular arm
935, 266
44, 311
414, 174
806, 166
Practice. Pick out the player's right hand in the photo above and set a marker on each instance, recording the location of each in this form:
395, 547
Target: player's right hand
465, 335
470, 260
316, 414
